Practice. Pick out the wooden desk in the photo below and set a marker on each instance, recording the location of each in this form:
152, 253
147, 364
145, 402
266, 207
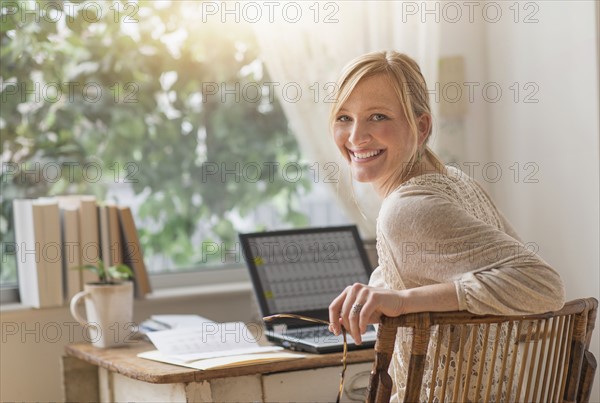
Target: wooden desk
117, 374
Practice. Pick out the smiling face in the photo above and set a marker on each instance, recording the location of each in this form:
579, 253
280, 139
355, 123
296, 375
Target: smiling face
372, 133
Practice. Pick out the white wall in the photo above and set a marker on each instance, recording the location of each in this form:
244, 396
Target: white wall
466, 136
560, 134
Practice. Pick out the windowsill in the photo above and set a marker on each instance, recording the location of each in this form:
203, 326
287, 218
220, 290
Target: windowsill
201, 290
173, 286
13, 307
175, 293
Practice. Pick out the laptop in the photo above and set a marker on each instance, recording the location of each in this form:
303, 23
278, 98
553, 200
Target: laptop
301, 271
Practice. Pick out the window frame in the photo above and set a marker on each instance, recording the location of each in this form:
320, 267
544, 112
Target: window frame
9, 295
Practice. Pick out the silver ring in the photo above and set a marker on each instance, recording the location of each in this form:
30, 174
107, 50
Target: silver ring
356, 308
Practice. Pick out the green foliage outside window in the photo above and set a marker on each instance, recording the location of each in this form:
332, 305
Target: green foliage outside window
122, 91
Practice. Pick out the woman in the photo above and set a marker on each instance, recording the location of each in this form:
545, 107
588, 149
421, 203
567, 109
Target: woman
442, 243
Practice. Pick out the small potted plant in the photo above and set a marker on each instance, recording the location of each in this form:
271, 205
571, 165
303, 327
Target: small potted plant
109, 275
108, 305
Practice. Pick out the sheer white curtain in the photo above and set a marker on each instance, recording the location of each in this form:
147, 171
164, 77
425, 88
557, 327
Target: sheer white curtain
309, 56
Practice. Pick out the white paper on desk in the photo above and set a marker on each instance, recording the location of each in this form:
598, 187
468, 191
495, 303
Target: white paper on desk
222, 362
207, 341
177, 321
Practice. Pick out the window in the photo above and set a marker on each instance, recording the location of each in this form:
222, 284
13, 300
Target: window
143, 104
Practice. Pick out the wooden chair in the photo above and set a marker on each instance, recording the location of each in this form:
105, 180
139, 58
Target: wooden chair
540, 358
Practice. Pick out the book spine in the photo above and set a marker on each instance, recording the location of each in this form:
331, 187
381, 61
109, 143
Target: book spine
89, 231
71, 246
104, 235
25, 247
48, 253
133, 255
116, 241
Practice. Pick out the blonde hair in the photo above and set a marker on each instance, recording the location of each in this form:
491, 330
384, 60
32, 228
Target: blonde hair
407, 81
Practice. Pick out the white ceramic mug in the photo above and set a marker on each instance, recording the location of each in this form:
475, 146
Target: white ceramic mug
109, 311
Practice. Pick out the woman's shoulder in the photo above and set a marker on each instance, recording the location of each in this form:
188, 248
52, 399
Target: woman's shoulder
427, 184
430, 192
436, 181
416, 205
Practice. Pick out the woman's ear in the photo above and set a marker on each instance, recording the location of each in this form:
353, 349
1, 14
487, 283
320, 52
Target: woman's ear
423, 127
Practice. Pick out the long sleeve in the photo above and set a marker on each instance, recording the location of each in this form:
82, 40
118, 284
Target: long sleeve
433, 238
376, 279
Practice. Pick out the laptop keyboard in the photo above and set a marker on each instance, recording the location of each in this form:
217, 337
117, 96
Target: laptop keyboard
321, 334
316, 332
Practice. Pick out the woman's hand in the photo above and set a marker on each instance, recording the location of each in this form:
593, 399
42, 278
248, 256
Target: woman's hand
360, 305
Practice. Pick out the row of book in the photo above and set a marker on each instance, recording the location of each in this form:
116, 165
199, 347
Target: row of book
56, 235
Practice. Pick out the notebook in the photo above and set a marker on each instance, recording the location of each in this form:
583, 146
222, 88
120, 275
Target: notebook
301, 271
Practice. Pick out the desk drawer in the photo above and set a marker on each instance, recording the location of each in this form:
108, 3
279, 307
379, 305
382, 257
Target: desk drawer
317, 385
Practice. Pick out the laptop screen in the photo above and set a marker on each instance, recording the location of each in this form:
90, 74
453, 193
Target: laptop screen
301, 271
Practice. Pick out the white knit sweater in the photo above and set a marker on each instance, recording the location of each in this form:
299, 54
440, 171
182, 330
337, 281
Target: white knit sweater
438, 228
